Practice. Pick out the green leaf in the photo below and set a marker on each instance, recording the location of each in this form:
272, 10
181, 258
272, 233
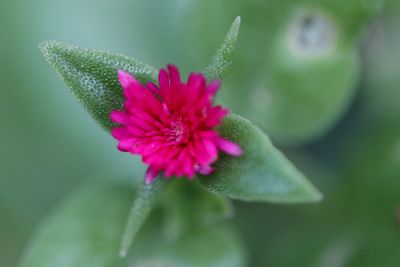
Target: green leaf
212, 246
198, 204
280, 79
92, 76
223, 57
262, 173
190, 206
84, 231
144, 202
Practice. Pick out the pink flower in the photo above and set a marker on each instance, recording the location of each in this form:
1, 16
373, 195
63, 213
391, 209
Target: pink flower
172, 126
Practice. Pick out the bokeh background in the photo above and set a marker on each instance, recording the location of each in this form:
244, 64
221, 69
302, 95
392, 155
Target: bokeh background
330, 100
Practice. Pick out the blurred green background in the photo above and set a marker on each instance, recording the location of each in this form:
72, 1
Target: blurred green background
332, 104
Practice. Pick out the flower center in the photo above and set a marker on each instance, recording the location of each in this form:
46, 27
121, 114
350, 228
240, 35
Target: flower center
178, 131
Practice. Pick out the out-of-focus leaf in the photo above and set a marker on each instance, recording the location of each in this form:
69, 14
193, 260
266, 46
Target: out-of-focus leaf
212, 246
92, 76
262, 173
85, 230
306, 95
144, 202
350, 244
297, 66
223, 57
190, 205
381, 79
198, 204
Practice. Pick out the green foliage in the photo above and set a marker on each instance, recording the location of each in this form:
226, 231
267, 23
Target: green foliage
297, 65
142, 205
359, 224
213, 246
187, 212
188, 231
296, 69
262, 173
92, 76
307, 96
223, 57
85, 231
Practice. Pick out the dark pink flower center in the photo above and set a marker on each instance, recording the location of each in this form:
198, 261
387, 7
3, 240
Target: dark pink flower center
178, 131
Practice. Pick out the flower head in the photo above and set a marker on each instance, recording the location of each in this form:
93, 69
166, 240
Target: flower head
172, 126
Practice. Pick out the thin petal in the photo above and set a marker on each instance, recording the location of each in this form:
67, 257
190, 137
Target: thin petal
229, 147
165, 108
151, 174
213, 87
208, 134
174, 75
187, 164
120, 133
125, 79
163, 79
154, 88
135, 131
196, 81
211, 149
119, 117
125, 145
204, 169
215, 115
200, 153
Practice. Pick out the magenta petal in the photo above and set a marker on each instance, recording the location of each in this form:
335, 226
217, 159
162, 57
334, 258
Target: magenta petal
229, 147
174, 75
204, 170
171, 169
120, 133
119, 117
165, 108
163, 79
153, 87
125, 79
213, 87
211, 150
151, 174
196, 81
216, 114
125, 145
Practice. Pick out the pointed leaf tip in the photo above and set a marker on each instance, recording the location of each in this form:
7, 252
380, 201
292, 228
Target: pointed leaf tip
222, 59
146, 198
261, 173
92, 76
237, 22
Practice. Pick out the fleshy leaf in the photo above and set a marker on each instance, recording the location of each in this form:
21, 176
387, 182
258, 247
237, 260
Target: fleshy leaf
211, 246
191, 206
85, 231
188, 204
92, 76
144, 202
223, 57
297, 66
262, 173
